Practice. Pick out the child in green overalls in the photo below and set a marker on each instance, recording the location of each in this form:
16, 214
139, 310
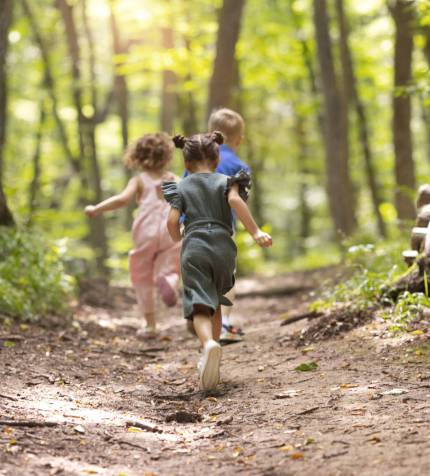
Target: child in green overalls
208, 252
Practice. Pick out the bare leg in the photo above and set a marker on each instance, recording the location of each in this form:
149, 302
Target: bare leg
216, 324
203, 325
150, 320
226, 310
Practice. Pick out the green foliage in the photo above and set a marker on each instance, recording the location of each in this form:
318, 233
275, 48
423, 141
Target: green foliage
408, 307
373, 268
32, 278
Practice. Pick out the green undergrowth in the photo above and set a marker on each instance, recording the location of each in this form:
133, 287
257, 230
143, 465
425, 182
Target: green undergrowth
373, 268
33, 281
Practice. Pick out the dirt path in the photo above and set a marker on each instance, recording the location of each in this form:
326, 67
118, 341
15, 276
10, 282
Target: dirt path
363, 411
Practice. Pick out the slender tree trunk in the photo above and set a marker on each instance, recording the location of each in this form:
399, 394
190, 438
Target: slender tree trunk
339, 184
403, 16
352, 96
303, 169
168, 94
309, 66
35, 182
6, 217
120, 82
425, 110
49, 84
222, 80
186, 102
86, 127
122, 99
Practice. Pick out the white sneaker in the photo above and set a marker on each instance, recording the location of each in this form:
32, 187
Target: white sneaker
209, 365
147, 333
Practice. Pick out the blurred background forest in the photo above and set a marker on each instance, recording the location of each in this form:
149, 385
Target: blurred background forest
335, 95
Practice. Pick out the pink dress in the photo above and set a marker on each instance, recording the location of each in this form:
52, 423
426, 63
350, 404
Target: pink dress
155, 259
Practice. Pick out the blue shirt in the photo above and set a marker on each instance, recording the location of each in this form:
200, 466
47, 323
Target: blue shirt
229, 163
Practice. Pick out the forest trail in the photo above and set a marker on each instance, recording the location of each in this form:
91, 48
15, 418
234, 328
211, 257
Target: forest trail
364, 410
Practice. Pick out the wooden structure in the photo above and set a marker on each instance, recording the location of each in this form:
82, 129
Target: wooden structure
420, 235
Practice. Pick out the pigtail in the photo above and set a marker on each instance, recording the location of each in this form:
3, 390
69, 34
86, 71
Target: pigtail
217, 137
179, 141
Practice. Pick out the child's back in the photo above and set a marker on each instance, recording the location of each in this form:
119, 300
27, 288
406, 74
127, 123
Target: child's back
207, 278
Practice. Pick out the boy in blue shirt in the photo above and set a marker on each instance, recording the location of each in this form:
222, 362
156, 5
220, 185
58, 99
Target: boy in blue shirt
232, 125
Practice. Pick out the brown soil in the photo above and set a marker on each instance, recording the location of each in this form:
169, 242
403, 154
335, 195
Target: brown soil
119, 406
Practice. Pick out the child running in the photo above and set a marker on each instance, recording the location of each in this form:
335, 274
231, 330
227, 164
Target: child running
232, 126
208, 250
154, 261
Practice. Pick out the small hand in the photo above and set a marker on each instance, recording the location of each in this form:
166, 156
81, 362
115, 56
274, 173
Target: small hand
262, 239
90, 210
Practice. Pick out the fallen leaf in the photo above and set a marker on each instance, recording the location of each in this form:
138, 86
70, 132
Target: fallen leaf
286, 448
418, 332
307, 367
396, 391
90, 471
374, 439
220, 447
287, 394
348, 385
212, 399
310, 441
308, 349
134, 429
297, 455
12, 441
8, 343
237, 451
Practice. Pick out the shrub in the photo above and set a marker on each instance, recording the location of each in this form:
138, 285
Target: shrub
32, 278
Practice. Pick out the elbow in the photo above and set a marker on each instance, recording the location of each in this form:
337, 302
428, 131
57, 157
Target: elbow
234, 201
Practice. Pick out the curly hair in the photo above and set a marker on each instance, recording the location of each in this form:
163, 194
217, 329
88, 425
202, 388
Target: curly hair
149, 152
200, 146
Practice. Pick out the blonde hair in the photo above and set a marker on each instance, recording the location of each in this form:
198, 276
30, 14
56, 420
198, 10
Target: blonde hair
150, 152
229, 122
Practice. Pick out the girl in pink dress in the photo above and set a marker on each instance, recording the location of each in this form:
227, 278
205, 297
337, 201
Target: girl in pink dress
154, 261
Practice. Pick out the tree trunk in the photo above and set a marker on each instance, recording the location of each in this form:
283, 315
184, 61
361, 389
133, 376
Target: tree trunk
309, 66
122, 100
222, 81
352, 95
87, 128
403, 17
35, 181
168, 94
302, 159
339, 184
49, 84
425, 110
6, 217
187, 104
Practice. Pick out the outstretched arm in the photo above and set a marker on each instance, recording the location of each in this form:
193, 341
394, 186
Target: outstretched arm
173, 225
243, 213
117, 201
